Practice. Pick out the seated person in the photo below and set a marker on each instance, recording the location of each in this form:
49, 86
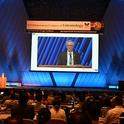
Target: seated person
69, 57
12, 101
112, 116
57, 113
38, 104
44, 116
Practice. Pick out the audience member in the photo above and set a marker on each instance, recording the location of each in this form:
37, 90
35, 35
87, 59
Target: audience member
44, 116
113, 114
57, 113
11, 101
38, 104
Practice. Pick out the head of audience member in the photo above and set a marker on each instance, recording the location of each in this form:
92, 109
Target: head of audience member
69, 45
45, 96
107, 102
13, 96
56, 104
117, 100
44, 116
38, 97
23, 98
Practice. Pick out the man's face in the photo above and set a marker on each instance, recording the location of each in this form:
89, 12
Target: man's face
70, 46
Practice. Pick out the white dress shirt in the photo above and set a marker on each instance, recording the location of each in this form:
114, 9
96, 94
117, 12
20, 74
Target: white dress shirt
70, 58
58, 115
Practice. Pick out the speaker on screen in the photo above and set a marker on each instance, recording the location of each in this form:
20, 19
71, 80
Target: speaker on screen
121, 85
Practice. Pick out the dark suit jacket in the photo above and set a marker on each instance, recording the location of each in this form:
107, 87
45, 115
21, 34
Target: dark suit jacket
62, 60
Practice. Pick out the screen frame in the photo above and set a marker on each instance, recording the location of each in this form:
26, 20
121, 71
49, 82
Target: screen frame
95, 53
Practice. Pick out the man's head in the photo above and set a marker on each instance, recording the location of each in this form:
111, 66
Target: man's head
70, 45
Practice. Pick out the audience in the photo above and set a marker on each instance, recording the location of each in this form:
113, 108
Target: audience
49, 107
22, 110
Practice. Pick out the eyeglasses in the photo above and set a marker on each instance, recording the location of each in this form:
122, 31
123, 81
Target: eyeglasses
70, 45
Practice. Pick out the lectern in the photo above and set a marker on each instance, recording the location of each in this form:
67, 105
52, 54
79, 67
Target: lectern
3, 80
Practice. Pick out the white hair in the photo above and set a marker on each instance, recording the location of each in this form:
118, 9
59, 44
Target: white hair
69, 41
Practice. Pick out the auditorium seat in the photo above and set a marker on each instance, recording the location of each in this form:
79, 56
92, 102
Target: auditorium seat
121, 118
28, 121
56, 122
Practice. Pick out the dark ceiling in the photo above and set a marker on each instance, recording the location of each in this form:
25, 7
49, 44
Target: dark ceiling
87, 10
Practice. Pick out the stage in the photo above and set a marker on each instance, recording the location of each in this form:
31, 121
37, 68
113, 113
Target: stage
62, 89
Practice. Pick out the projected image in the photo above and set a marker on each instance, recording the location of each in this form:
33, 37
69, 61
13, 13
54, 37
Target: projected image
49, 49
53, 52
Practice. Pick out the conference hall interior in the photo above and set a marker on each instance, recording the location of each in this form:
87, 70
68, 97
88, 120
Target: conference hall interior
38, 86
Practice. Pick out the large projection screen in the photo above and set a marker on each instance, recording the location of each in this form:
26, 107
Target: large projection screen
46, 47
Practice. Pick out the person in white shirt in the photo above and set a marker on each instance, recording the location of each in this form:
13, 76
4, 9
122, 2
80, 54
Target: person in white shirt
57, 113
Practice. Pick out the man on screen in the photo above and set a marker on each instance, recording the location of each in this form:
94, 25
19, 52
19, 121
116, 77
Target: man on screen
69, 57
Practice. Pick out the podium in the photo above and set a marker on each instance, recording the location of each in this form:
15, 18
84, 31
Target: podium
3, 81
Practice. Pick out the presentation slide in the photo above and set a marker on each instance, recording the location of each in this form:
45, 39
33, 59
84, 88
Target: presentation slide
46, 49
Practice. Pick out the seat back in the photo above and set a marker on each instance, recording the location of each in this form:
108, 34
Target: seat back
56, 122
28, 121
121, 118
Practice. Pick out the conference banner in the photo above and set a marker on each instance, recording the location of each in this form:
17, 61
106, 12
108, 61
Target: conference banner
62, 26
